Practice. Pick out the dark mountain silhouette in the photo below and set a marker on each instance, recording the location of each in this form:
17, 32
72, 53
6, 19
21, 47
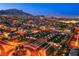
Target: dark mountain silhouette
14, 12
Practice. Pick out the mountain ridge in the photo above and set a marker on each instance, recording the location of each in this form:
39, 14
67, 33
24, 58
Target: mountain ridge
14, 12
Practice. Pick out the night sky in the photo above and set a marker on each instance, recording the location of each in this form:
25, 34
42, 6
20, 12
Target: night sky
48, 9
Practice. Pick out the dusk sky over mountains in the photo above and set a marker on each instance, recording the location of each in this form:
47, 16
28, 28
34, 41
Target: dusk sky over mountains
48, 9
